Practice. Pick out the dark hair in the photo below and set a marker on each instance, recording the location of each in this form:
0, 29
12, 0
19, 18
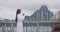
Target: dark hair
18, 12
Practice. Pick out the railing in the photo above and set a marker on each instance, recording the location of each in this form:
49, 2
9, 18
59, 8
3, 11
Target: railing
41, 21
5, 27
3, 21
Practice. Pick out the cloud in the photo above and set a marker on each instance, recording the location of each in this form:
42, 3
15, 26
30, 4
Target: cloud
7, 13
24, 4
8, 7
56, 4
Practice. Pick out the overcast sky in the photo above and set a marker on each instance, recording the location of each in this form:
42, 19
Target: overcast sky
8, 7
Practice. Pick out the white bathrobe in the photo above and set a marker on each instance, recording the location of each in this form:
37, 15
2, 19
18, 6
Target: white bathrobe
20, 23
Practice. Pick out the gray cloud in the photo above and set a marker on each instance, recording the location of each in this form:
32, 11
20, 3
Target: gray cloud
8, 7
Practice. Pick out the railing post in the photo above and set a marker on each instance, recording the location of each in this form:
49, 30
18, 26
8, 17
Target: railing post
37, 27
4, 27
11, 28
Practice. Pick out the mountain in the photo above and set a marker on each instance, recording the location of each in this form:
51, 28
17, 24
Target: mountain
43, 14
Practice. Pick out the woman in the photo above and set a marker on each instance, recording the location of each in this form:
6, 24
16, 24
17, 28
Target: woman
19, 19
